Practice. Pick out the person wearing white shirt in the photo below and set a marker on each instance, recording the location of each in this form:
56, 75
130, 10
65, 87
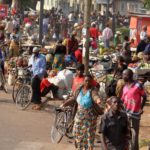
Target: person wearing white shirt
143, 34
9, 27
107, 35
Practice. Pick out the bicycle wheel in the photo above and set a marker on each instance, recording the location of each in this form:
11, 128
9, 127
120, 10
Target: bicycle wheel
59, 128
69, 132
70, 122
56, 136
23, 98
16, 88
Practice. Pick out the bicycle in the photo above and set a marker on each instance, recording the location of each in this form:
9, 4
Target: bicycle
24, 93
23, 98
22, 76
63, 124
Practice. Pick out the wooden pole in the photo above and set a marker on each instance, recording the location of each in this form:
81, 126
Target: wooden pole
86, 37
107, 10
114, 17
41, 22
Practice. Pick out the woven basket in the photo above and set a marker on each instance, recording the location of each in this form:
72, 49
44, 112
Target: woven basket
147, 89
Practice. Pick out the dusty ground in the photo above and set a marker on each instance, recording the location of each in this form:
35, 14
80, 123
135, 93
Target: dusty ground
30, 130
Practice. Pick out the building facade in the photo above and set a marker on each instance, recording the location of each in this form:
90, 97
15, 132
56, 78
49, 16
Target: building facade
121, 6
126, 6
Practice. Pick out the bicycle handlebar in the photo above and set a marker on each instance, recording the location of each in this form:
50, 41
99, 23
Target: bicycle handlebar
62, 109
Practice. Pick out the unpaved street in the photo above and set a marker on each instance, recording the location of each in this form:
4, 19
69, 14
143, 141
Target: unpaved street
30, 130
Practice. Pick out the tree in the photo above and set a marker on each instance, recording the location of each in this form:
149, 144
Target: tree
2, 1
147, 4
22, 4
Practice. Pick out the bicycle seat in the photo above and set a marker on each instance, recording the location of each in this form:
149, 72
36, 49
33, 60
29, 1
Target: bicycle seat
58, 109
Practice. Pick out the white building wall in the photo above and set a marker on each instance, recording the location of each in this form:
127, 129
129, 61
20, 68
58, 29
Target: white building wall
48, 4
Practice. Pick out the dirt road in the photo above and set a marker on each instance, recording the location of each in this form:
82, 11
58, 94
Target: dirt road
30, 130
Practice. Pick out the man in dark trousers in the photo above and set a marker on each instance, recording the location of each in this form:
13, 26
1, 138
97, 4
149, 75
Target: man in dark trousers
114, 127
38, 63
134, 98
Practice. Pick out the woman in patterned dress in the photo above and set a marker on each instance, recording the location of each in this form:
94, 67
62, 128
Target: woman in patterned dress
85, 118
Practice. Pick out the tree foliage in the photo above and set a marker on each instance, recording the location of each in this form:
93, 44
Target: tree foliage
22, 4
147, 4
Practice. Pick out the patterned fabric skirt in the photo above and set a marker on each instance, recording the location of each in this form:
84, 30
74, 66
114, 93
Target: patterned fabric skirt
84, 128
58, 63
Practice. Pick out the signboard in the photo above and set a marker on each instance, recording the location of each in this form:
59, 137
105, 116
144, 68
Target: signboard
3, 10
103, 1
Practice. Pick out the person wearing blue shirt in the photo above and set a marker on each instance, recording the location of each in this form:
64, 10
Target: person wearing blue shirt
38, 68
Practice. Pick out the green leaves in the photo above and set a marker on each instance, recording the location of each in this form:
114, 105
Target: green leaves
26, 3
147, 4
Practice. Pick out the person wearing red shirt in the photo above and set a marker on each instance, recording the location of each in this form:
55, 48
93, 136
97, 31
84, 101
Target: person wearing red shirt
46, 87
78, 55
94, 44
26, 20
72, 46
79, 79
94, 31
134, 99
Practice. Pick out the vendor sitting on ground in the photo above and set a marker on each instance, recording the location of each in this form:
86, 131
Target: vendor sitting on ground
46, 87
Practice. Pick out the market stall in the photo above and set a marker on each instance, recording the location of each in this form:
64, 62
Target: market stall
142, 73
137, 21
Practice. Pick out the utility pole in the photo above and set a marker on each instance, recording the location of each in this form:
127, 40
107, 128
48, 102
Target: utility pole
86, 37
41, 22
107, 10
95, 5
114, 15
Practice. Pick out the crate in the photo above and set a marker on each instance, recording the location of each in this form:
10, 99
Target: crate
141, 71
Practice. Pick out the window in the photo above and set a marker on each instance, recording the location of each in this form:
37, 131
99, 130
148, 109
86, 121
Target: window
122, 6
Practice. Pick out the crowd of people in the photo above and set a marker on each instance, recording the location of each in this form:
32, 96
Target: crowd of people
49, 73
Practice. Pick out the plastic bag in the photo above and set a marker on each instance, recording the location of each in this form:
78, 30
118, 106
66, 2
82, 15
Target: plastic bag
54, 36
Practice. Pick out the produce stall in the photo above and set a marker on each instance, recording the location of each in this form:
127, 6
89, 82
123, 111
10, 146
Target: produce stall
137, 21
142, 73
